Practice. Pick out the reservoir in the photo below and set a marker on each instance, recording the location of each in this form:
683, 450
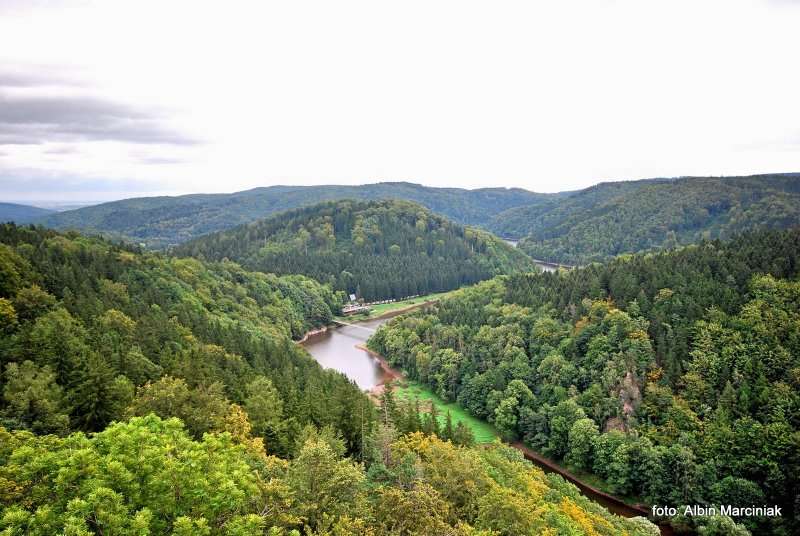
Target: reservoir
336, 349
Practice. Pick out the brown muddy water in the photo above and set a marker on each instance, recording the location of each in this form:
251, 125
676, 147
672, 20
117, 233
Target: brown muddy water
336, 349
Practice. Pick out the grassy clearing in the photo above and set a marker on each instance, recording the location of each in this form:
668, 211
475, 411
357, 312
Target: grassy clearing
409, 390
383, 308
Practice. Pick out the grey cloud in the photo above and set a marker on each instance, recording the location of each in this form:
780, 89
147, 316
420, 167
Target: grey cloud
14, 139
29, 118
63, 110
23, 6
64, 149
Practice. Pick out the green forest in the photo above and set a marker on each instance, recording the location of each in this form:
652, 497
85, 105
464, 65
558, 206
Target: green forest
149, 395
149, 476
21, 213
672, 376
93, 332
613, 218
160, 222
592, 224
374, 249
165, 393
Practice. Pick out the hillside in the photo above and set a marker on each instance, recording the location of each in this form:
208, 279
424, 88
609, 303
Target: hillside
596, 223
674, 377
21, 213
375, 249
91, 332
163, 221
624, 217
143, 394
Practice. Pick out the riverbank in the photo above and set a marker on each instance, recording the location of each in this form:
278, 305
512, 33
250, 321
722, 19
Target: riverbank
408, 391
311, 333
630, 510
403, 307
390, 374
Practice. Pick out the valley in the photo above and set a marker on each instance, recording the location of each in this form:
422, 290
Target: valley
626, 382
399, 269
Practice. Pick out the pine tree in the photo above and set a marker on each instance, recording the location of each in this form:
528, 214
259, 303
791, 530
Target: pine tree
462, 435
447, 432
434, 420
389, 414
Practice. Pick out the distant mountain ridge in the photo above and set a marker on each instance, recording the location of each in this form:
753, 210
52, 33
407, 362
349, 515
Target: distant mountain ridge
613, 218
576, 227
160, 222
375, 249
21, 213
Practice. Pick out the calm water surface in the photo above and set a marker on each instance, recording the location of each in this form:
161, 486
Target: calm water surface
336, 349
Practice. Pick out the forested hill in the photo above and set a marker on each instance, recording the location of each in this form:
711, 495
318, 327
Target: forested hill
625, 217
163, 221
91, 333
674, 376
21, 213
375, 249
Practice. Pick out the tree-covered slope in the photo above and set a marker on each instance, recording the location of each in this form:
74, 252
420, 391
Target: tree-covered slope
163, 221
624, 217
673, 376
148, 476
21, 213
147, 395
91, 332
375, 249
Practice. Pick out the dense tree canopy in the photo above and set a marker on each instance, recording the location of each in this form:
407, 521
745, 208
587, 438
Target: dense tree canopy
160, 222
673, 376
376, 249
148, 476
587, 225
91, 332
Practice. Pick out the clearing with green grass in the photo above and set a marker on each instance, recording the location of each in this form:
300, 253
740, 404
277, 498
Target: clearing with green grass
481, 430
381, 309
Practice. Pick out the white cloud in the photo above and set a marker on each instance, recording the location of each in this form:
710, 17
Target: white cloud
546, 96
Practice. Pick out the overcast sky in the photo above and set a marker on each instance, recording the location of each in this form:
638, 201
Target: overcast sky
103, 100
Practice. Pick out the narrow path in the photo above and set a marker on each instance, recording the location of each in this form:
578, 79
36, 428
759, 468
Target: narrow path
620, 506
610, 502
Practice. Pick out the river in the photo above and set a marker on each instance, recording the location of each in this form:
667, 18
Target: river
544, 265
336, 349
